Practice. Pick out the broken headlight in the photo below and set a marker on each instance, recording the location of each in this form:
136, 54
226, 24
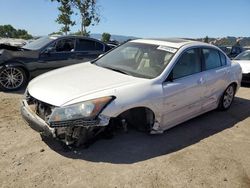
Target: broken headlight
85, 110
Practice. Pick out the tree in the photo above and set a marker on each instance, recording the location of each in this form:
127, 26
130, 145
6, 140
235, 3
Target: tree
206, 39
88, 12
87, 9
56, 33
64, 18
8, 31
106, 37
237, 43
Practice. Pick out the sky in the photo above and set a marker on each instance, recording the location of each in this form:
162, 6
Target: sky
139, 18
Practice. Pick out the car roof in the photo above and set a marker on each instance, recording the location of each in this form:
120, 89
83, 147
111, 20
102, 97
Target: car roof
171, 42
69, 36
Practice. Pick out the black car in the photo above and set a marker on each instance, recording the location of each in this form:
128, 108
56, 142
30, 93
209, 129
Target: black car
18, 65
232, 51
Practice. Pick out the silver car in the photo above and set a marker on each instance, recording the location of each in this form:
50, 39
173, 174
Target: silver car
149, 84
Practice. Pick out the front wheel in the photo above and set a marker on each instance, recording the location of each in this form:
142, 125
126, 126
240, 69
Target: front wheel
227, 98
12, 78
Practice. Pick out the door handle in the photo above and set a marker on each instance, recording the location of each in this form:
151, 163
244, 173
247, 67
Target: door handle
201, 81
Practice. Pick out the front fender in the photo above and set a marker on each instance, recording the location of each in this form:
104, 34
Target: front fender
15, 64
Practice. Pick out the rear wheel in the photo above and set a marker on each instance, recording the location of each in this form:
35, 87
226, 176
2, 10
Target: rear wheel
227, 98
12, 78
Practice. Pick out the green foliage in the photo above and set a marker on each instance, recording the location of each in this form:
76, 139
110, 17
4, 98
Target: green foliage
64, 18
206, 39
87, 9
89, 13
80, 34
8, 31
56, 33
106, 37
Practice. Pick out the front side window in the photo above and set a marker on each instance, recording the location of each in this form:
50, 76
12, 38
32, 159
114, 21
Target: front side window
211, 58
88, 45
65, 45
188, 64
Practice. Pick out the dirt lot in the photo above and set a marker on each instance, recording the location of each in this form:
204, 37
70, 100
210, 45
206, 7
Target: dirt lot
212, 150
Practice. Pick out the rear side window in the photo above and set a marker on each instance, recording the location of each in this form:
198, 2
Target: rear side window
223, 59
88, 45
188, 64
211, 59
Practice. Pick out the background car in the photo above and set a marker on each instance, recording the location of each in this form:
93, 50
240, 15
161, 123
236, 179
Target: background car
149, 84
244, 60
232, 51
19, 64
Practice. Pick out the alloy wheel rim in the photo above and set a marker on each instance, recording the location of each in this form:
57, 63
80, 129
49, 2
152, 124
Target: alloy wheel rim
11, 78
228, 97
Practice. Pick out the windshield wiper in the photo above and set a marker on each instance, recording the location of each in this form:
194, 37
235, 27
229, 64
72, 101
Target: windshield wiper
117, 70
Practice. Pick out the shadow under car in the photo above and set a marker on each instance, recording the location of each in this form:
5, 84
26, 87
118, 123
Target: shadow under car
132, 147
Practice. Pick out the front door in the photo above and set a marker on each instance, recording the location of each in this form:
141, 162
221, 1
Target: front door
183, 94
57, 55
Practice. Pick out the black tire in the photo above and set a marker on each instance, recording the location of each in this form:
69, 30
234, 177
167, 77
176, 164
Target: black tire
12, 78
227, 98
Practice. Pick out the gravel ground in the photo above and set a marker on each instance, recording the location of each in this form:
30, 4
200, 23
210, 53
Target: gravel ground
212, 150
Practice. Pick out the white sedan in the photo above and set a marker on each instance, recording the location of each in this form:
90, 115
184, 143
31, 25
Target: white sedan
244, 60
149, 84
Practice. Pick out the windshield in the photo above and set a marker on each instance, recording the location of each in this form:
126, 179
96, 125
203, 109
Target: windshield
243, 56
138, 59
38, 44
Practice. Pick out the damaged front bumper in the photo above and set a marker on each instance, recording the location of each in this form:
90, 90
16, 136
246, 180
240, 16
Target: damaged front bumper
35, 122
66, 131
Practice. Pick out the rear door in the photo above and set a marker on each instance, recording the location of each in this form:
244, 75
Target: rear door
216, 74
183, 92
87, 49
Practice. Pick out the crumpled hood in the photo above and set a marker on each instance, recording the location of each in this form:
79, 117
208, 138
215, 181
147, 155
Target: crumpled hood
6, 55
63, 85
245, 65
9, 47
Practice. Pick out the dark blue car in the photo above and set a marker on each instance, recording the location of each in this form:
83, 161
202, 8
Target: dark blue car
19, 65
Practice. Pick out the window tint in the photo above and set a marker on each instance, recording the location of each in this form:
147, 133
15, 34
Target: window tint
88, 45
65, 45
223, 59
189, 63
211, 58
